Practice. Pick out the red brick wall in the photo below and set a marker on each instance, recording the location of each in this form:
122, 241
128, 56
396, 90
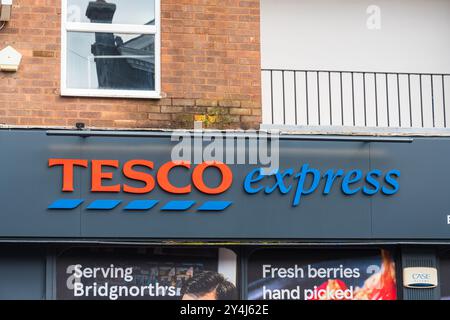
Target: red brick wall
210, 70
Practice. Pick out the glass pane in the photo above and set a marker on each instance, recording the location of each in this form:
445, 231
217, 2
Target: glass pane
110, 61
171, 269
141, 12
293, 274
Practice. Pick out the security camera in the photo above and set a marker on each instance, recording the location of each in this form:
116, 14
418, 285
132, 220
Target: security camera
80, 125
5, 10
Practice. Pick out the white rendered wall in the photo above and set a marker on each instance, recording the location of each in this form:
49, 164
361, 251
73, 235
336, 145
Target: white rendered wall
414, 35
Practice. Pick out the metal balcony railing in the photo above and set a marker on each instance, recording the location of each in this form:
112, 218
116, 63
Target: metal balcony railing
355, 99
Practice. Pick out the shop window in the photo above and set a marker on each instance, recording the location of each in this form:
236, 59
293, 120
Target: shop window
146, 274
292, 274
110, 48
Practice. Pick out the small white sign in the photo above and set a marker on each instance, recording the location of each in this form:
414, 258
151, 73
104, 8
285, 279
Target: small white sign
10, 59
420, 278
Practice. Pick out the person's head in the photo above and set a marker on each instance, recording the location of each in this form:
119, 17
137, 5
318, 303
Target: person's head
209, 285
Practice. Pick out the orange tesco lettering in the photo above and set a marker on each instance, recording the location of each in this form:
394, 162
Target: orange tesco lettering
140, 176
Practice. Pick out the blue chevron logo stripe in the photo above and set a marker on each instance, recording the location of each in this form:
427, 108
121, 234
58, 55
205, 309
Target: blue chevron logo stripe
178, 205
103, 204
141, 205
215, 206
65, 204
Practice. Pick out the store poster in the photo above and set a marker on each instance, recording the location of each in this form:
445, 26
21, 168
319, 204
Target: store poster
294, 274
146, 274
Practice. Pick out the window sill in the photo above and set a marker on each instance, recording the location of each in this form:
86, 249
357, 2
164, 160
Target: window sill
128, 94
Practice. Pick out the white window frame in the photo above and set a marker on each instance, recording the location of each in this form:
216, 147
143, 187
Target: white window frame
113, 28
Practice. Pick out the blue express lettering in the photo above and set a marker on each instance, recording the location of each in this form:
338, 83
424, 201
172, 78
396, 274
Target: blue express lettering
308, 180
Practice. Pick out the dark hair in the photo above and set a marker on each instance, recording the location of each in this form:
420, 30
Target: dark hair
208, 281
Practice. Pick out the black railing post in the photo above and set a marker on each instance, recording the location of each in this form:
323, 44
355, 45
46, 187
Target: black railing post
318, 96
365, 99
410, 102
307, 98
387, 102
295, 96
271, 96
329, 98
399, 102
432, 100
376, 98
342, 100
284, 98
421, 100
443, 100
353, 99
